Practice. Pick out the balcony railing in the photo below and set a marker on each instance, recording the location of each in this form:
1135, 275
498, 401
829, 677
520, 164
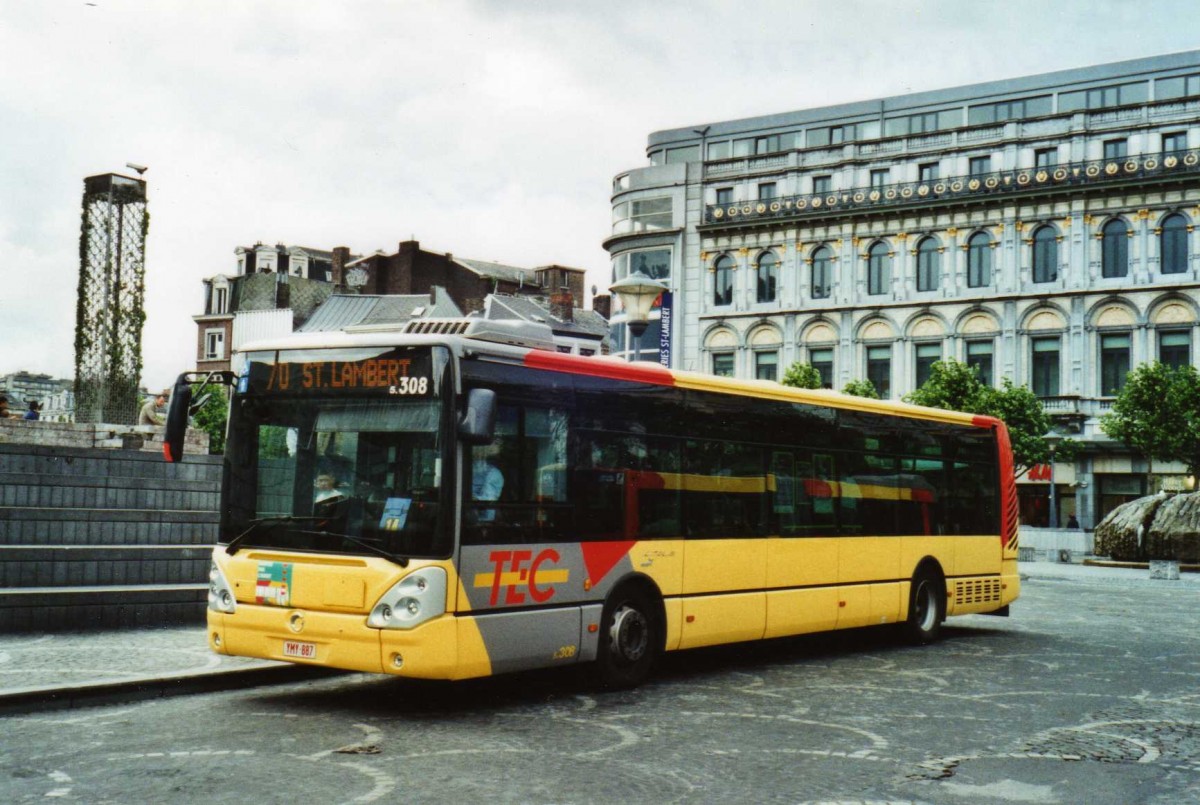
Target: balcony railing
903, 194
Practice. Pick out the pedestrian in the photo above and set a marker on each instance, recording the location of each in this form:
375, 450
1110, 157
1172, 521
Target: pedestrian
1072, 522
4, 412
149, 414
35, 410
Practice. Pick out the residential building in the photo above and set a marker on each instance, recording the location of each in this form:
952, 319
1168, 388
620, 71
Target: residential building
413, 270
280, 289
274, 290
1039, 228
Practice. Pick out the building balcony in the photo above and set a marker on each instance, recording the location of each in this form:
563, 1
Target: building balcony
1070, 411
1157, 167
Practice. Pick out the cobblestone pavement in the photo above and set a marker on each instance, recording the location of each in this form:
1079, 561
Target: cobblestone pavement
1090, 692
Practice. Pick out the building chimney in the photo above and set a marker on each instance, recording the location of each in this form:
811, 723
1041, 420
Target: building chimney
341, 256
602, 304
562, 305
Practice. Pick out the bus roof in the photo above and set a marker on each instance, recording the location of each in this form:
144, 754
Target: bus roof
597, 366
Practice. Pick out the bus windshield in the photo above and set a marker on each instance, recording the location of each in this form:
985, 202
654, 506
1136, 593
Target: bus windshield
358, 467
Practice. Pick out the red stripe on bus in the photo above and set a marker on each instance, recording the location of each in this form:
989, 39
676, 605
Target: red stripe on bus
1009, 505
601, 557
641, 371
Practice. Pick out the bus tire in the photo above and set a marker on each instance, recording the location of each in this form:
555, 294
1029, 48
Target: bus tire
926, 607
630, 639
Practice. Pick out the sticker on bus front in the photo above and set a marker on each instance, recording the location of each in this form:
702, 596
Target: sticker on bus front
273, 582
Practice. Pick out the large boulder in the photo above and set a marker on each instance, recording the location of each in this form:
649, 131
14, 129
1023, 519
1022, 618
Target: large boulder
1175, 531
1123, 534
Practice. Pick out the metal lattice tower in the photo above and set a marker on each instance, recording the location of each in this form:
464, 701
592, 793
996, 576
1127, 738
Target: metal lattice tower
110, 308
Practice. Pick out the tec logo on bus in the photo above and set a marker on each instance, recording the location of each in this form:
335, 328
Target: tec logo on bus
522, 576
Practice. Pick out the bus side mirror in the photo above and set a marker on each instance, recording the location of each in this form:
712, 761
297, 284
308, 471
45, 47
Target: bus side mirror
177, 420
478, 423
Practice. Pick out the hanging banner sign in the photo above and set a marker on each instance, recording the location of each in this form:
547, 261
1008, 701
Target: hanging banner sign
664, 333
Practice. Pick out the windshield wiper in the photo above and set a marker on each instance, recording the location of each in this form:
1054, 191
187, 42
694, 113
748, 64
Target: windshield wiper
232, 547
400, 560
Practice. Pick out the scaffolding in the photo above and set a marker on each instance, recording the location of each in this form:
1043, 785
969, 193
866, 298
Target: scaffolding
110, 308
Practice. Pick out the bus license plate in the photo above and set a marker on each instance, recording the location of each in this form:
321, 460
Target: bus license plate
305, 651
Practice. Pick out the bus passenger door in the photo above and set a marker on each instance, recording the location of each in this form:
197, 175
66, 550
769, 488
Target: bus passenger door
519, 603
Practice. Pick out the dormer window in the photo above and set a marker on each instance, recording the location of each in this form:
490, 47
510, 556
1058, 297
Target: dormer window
265, 260
220, 299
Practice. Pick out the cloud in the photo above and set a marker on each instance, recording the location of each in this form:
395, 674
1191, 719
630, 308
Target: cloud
492, 130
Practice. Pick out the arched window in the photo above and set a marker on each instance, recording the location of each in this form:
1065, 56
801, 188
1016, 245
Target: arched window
822, 273
877, 269
723, 281
768, 276
1114, 249
1045, 255
979, 260
1173, 245
929, 265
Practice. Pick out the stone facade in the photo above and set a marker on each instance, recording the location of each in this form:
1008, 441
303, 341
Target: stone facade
1041, 229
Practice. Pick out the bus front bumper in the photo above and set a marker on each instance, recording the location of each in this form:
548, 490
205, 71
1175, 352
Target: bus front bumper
335, 640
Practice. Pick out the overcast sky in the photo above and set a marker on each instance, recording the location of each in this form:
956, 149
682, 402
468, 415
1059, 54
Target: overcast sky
489, 129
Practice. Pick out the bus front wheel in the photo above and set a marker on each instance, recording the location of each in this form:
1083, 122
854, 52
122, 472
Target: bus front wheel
630, 640
926, 607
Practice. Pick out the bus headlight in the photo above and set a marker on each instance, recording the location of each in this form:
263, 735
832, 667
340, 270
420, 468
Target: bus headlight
220, 594
418, 597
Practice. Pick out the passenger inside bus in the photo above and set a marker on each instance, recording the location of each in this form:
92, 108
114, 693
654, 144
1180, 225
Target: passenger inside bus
329, 502
487, 482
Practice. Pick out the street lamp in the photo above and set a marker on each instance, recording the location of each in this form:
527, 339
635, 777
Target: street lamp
637, 293
1052, 440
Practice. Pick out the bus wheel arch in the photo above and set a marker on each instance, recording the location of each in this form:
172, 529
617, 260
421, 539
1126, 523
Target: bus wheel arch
926, 603
632, 634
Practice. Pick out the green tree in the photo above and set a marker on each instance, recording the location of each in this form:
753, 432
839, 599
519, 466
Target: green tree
212, 416
952, 386
955, 386
1021, 410
861, 388
802, 376
1158, 413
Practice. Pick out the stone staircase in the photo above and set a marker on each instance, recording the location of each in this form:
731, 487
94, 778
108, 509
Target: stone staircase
102, 536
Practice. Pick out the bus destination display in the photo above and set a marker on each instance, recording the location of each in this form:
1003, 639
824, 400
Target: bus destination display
405, 374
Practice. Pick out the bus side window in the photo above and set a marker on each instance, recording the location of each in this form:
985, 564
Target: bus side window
727, 490
626, 485
925, 513
823, 489
973, 503
524, 473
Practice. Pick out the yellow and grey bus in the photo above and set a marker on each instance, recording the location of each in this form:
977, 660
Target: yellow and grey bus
470, 502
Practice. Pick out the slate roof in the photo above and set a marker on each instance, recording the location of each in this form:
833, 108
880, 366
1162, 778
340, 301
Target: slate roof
585, 323
346, 310
498, 271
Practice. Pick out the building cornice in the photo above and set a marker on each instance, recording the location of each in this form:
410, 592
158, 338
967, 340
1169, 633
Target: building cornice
872, 305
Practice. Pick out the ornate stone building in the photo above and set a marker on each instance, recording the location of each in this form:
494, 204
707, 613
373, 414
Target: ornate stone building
1039, 228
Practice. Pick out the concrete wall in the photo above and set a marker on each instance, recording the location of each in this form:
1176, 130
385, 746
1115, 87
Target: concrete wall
93, 537
1049, 544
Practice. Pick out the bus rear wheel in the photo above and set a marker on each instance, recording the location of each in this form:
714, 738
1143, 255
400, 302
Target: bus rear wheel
926, 607
630, 640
